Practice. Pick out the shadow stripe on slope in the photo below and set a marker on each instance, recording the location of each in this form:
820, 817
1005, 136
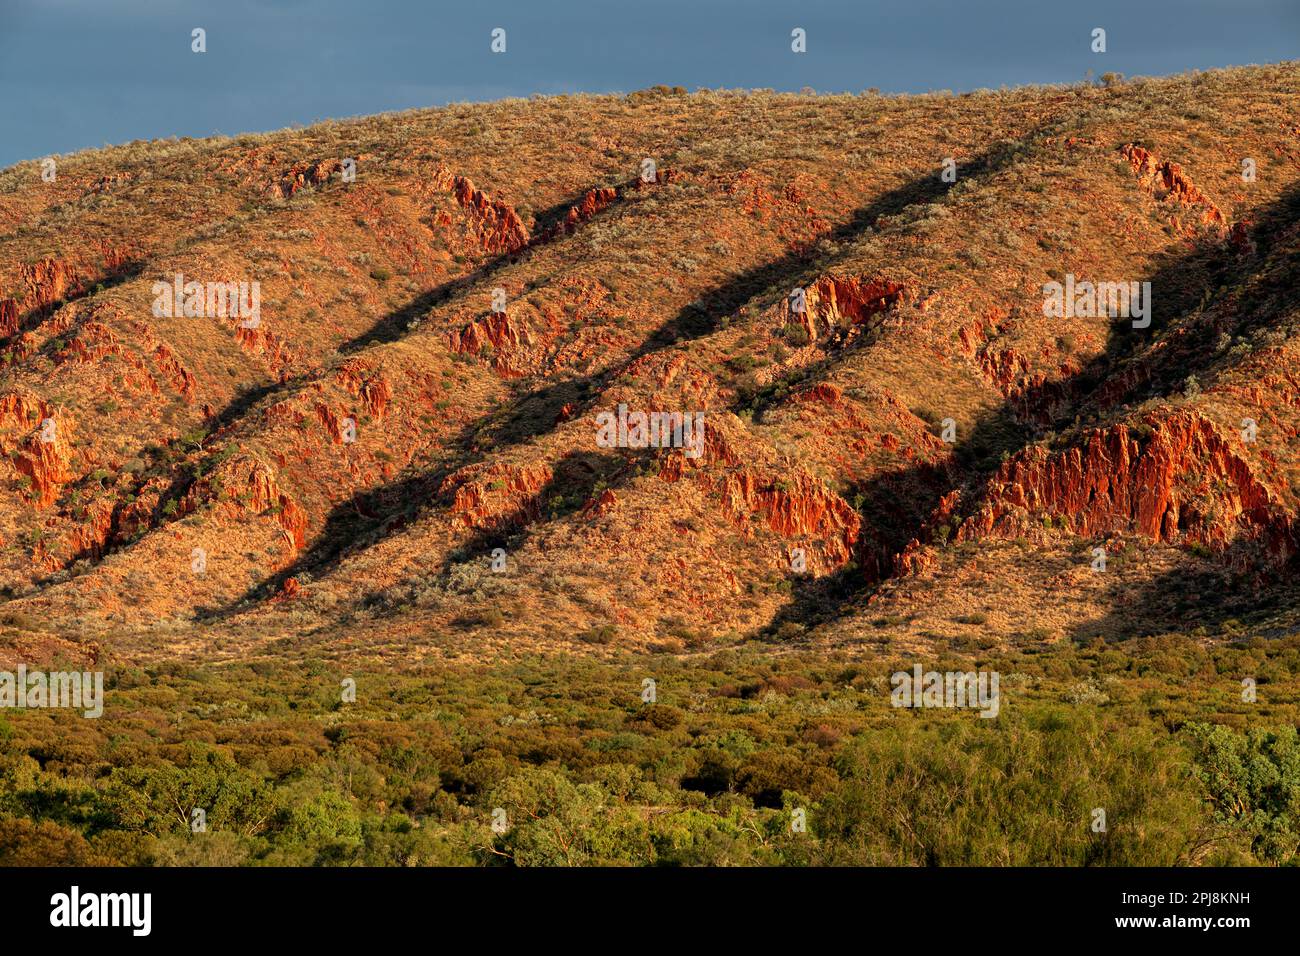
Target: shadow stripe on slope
343, 527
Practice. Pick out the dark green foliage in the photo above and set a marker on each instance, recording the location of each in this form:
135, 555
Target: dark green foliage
714, 772
1252, 782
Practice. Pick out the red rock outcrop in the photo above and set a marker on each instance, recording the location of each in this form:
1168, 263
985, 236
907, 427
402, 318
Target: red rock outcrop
47, 281
302, 175
22, 408
792, 503
1166, 180
181, 378
23, 346
593, 202
376, 394
1183, 482
90, 538
833, 301
824, 392
496, 495
857, 425
94, 341
499, 227
43, 453
800, 223
106, 183
253, 489
165, 358
1037, 390
496, 330
44, 457
333, 423
115, 258
600, 505
264, 494
8, 317
499, 333
293, 521
795, 507
267, 345
914, 559
373, 390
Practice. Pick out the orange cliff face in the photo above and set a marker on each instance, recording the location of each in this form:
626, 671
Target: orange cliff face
833, 301
8, 317
1177, 479
496, 331
44, 457
44, 283
42, 452
47, 281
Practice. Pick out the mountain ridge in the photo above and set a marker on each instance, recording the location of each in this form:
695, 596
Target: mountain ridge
921, 305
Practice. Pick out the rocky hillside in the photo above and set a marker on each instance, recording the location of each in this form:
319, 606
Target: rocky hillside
397, 443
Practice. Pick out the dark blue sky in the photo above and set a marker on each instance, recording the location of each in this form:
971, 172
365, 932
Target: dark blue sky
81, 73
